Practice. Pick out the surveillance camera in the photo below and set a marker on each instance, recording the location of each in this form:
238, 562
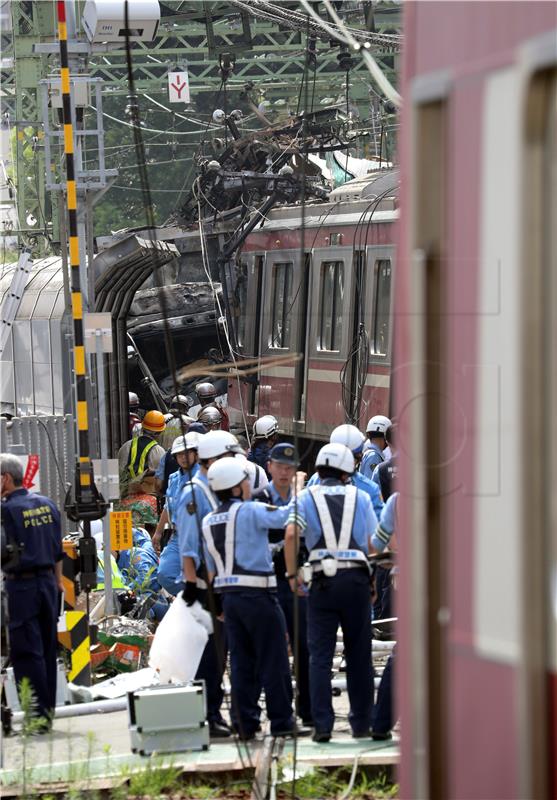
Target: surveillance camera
218, 116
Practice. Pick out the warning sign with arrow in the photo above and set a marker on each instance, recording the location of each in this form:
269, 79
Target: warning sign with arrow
178, 87
31, 472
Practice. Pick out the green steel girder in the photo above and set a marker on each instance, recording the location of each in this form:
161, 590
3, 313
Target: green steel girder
274, 63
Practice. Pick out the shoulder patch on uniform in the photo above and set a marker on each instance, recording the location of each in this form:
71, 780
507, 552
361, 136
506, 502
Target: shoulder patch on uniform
191, 508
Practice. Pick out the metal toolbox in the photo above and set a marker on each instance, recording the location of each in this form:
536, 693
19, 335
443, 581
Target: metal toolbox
168, 718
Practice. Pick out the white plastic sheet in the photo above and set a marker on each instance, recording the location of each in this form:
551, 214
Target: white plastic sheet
179, 642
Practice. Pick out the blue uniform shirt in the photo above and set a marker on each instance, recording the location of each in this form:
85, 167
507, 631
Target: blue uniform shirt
138, 565
159, 472
365, 485
371, 458
33, 521
276, 497
170, 566
251, 545
387, 524
304, 514
192, 508
176, 483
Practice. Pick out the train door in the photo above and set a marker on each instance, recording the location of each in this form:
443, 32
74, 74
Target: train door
379, 324
249, 296
330, 336
538, 668
282, 338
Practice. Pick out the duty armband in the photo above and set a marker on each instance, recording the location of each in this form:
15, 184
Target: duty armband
383, 535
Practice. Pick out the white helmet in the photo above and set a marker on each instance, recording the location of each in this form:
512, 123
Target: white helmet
266, 426
350, 436
336, 456
257, 474
187, 442
226, 473
378, 425
215, 444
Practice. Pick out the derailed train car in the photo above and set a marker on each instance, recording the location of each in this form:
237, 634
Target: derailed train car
317, 298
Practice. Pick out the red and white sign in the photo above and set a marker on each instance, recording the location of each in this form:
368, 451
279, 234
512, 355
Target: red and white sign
178, 87
31, 472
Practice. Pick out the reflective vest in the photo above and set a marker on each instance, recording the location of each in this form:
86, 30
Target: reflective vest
214, 503
343, 546
209, 496
140, 448
220, 537
117, 579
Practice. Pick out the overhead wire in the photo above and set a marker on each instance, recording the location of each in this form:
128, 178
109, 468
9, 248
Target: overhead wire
347, 38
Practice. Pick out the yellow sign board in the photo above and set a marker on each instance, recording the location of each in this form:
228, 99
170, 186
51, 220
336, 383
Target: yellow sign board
121, 537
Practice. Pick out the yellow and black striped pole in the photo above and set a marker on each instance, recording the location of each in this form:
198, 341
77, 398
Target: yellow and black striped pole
87, 504
85, 473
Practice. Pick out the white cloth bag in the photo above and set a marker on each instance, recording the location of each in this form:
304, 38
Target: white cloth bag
179, 642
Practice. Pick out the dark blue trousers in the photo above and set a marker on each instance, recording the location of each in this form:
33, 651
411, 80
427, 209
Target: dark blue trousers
211, 669
33, 606
342, 600
256, 632
383, 712
382, 605
286, 600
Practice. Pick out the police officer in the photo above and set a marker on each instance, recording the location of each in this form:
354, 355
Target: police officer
141, 453
184, 450
337, 520
138, 566
374, 455
383, 717
196, 501
33, 585
236, 548
168, 463
384, 474
354, 440
282, 464
265, 436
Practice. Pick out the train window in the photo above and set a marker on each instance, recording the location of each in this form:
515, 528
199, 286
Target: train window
239, 305
280, 305
380, 338
331, 300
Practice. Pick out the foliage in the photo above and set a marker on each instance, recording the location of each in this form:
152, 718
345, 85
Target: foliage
333, 783
155, 779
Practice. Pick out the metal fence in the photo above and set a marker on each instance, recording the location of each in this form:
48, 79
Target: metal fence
52, 438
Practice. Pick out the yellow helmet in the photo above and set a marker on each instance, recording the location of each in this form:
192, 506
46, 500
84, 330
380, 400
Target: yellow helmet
153, 421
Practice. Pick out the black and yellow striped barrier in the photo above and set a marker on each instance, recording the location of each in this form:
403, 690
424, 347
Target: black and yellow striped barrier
70, 569
76, 640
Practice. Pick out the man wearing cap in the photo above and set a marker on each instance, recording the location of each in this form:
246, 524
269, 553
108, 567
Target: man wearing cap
282, 464
140, 455
184, 449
